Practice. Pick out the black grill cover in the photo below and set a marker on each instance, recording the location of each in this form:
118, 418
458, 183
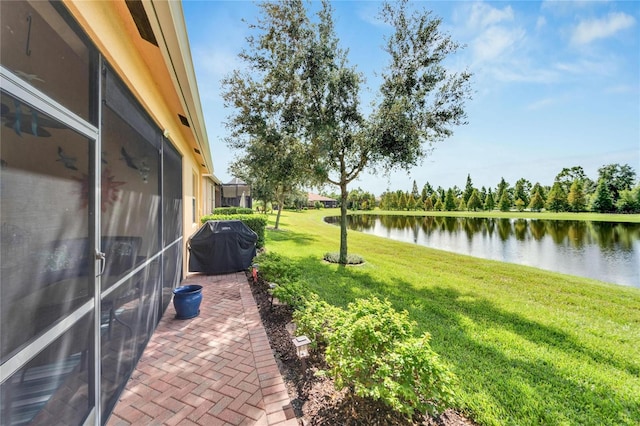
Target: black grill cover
221, 247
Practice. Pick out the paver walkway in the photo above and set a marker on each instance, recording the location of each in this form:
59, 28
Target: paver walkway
215, 369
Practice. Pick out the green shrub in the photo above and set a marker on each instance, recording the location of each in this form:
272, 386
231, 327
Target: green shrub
276, 268
282, 271
317, 320
257, 223
231, 211
352, 259
371, 351
293, 293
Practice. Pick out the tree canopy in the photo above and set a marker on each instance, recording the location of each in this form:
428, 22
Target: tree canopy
301, 98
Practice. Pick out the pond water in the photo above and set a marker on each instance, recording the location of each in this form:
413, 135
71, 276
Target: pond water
602, 250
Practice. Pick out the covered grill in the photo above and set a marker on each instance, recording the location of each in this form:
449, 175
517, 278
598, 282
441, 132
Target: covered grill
221, 247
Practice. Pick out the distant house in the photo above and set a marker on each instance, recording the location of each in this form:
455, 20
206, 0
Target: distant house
326, 201
236, 193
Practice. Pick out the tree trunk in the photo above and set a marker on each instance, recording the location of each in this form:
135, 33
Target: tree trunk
343, 223
280, 206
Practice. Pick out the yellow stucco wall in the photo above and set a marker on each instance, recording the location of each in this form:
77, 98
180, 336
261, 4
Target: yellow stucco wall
111, 29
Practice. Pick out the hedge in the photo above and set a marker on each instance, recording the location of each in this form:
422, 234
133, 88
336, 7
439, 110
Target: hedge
257, 223
231, 211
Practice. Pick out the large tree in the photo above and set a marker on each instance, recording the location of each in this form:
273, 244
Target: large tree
267, 102
617, 178
419, 104
568, 175
522, 190
299, 89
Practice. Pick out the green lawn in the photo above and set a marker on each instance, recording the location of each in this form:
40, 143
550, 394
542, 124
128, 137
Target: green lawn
527, 346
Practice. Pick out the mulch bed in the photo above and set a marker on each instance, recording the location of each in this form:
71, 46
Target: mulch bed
314, 399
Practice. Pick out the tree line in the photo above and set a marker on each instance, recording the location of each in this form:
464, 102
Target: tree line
616, 190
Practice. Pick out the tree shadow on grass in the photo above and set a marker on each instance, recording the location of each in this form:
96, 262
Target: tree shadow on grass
500, 382
286, 235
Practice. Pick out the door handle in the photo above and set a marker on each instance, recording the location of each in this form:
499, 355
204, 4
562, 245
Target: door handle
103, 261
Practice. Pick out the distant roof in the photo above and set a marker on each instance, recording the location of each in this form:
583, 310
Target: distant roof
316, 197
235, 181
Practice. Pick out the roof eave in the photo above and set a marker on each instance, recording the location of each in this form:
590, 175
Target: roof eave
167, 21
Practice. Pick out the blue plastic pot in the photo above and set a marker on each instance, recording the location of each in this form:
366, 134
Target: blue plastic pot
186, 300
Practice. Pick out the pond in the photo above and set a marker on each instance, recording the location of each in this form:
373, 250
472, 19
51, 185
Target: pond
605, 251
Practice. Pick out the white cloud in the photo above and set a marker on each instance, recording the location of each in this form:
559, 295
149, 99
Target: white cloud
605, 66
541, 22
570, 6
521, 72
622, 89
593, 29
216, 61
482, 15
543, 103
370, 13
495, 41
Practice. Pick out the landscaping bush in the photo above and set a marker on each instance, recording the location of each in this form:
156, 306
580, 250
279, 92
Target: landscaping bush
276, 268
231, 211
371, 351
370, 347
257, 223
293, 293
352, 259
317, 320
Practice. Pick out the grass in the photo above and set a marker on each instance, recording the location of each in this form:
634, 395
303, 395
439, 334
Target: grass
527, 346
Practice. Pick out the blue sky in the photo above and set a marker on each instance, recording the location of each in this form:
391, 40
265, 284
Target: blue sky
556, 84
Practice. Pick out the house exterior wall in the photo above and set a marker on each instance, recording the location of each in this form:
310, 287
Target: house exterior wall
110, 27
106, 169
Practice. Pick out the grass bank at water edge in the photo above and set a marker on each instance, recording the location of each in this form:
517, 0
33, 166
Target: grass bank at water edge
527, 346
594, 217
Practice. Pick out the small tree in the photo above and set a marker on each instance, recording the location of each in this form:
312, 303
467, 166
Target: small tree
521, 191
519, 205
427, 191
629, 200
449, 201
505, 202
489, 203
602, 200
468, 189
502, 187
414, 191
402, 202
474, 202
411, 202
556, 199
537, 202
427, 205
439, 205
576, 199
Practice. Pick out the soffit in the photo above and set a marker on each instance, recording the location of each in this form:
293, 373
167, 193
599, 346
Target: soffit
163, 65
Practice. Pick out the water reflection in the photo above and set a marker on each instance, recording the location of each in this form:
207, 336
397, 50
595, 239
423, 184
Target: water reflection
607, 251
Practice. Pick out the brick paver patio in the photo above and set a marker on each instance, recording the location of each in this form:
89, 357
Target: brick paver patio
215, 369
